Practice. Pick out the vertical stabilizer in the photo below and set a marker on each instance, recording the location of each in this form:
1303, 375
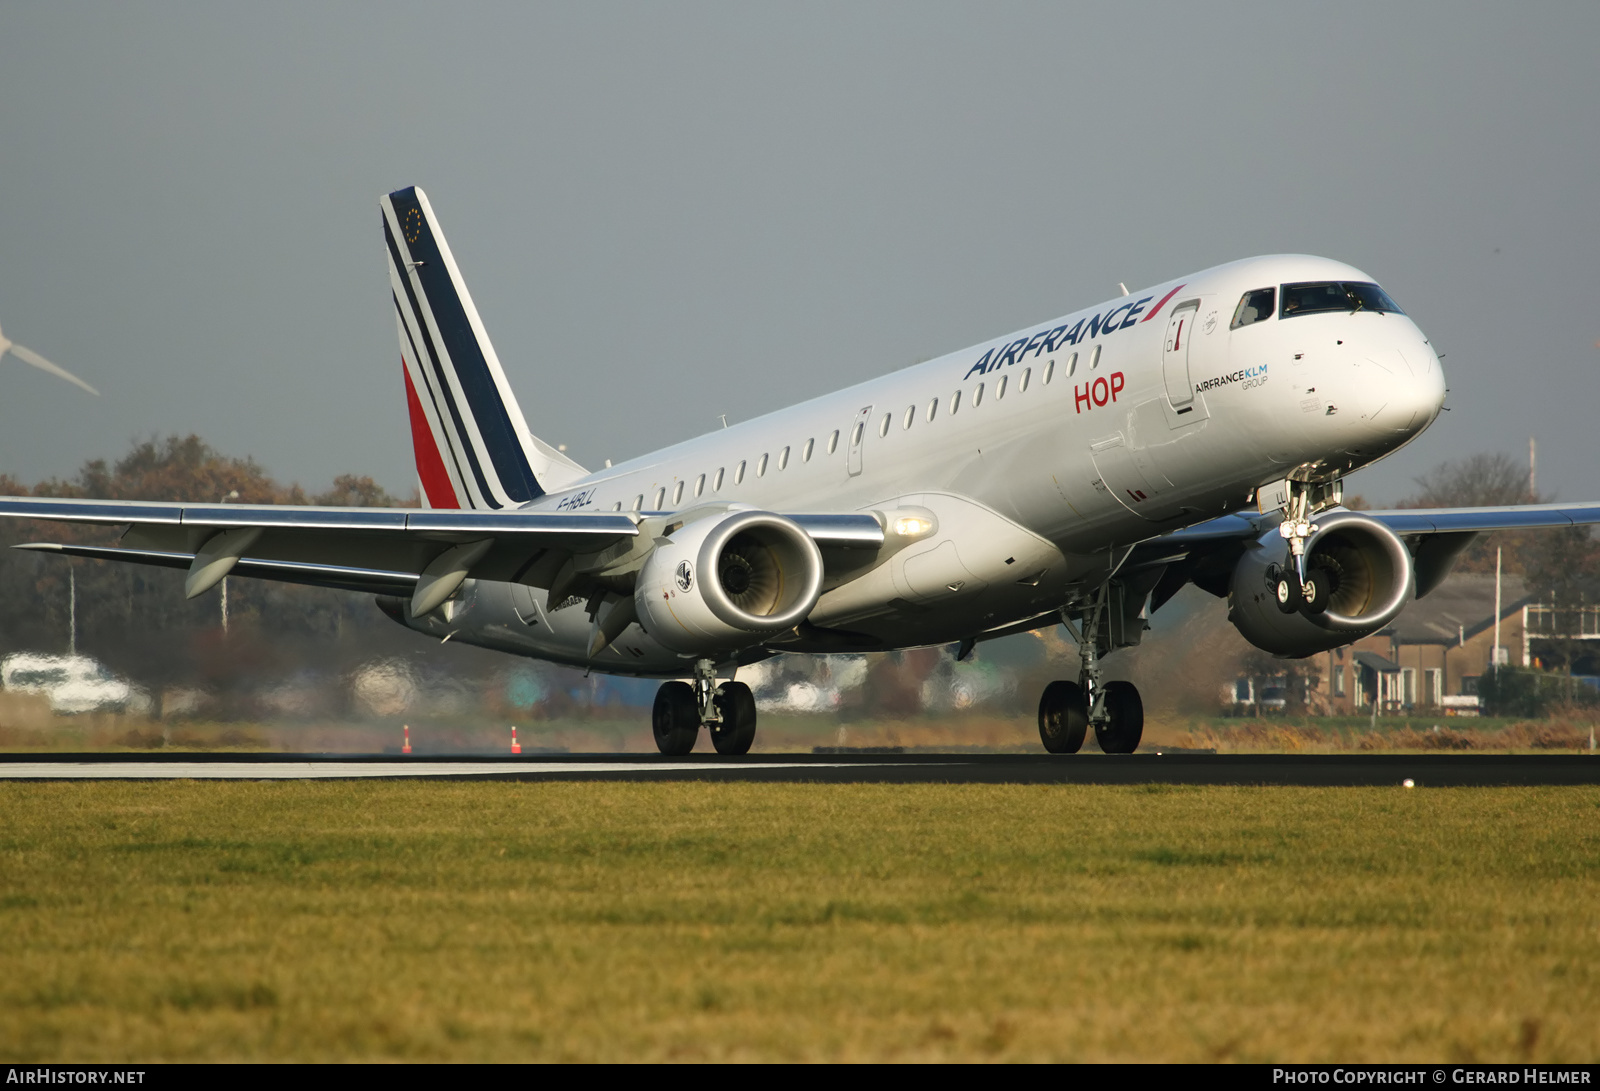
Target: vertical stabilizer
472, 445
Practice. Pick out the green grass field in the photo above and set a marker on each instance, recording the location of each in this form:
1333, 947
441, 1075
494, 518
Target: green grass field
523, 921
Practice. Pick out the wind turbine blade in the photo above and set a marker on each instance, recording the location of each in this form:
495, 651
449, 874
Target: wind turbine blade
28, 356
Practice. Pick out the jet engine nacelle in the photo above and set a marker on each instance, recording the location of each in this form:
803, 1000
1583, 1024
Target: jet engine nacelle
1369, 575
726, 581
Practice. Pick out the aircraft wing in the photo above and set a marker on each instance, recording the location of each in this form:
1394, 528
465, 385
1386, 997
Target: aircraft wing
1408, 521
395, 551
1205, 553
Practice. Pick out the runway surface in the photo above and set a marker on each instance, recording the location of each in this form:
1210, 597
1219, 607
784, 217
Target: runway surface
1442, 770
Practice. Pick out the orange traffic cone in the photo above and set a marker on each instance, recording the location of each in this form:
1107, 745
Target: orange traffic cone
406, 749
516, 747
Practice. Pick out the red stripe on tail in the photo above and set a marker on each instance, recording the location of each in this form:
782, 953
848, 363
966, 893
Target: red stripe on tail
430, 467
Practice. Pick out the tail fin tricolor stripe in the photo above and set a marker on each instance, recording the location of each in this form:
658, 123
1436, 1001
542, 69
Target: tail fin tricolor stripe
431, 442
430, 373
481, 448
437, 484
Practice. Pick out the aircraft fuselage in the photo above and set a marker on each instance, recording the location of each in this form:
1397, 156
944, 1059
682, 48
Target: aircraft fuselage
1036, 458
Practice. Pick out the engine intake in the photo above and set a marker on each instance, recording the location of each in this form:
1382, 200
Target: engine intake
1369, 575
724, 582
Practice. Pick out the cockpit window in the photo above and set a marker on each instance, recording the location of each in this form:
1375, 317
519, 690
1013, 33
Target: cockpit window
1374, 298
1256, 306
1322, 296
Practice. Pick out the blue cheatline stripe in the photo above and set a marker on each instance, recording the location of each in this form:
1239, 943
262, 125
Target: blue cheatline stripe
449, 450
472, 369
437, 368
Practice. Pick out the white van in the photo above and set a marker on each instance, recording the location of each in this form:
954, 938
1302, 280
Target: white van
73, 683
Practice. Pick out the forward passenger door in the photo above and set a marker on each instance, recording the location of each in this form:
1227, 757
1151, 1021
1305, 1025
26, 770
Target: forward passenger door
1175, 355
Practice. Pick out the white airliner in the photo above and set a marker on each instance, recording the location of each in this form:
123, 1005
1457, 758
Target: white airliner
1078, 472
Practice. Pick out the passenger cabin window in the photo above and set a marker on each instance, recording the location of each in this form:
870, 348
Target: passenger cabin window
761, 465
1000, 387
955, 403
716, 482
677, 493
617, 506
1072, 364
638, 502
700, 484
883, 425
661, 498
738, 473
833, 441
783, 458
1022, 383
1049, 373
911, 415
1254, 306
855, 436
1320, 297
1094, 358
933, 409
805, 452
977, 396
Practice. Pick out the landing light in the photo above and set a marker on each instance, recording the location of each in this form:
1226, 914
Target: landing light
912, 526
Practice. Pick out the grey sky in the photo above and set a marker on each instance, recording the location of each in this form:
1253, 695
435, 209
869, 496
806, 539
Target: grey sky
666, 212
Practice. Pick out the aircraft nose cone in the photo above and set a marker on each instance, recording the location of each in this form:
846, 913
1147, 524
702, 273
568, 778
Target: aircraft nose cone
1405, 391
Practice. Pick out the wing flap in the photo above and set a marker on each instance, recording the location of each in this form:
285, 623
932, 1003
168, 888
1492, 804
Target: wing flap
341, 577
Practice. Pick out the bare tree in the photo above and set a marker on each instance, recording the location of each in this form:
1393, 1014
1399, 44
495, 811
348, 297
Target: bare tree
1482, 480
1561, 566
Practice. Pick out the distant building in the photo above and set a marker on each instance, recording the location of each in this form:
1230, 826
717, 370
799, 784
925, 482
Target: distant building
1433, 654
1431, 657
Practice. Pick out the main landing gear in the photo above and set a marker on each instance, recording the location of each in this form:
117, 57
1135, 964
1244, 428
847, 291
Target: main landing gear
1068, 709
728, 713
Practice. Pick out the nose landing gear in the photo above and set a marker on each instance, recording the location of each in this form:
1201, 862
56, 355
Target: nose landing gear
727, 712
1300, 588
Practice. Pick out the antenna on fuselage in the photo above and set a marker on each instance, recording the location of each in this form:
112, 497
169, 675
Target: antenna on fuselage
1123, 286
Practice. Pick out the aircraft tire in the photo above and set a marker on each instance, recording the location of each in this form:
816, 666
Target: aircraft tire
737, 707
1287, 590
1314, 595
675, 719
1122, 733
1063, 717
